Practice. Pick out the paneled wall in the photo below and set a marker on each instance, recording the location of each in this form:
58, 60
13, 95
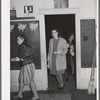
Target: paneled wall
87, 42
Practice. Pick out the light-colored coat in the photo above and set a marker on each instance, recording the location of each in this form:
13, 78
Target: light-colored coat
61, 58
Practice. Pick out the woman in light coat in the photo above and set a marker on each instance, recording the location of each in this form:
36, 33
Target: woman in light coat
57, 57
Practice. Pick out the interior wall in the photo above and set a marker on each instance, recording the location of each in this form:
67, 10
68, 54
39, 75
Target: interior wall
87, 7
19, 5
87, 11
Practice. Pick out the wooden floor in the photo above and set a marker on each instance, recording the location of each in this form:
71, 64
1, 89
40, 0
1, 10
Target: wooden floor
46, 96
55, 96
68, 93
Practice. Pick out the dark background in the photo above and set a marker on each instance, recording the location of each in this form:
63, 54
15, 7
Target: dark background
64, 23
33, 38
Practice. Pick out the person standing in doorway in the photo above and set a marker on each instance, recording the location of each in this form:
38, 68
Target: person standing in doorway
57, 57
26, 75
70, 57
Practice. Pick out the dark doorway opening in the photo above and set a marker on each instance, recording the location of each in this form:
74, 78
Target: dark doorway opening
66, 25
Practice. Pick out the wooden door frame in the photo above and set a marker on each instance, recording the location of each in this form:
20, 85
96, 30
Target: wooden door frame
76, 11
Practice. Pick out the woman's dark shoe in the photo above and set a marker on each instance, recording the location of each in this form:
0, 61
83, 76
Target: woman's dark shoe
61, 88
67, 79
58, 88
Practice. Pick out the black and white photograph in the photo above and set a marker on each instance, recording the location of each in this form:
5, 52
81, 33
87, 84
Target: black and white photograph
51, 50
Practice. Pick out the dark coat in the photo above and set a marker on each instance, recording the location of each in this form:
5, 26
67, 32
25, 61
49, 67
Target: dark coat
26, 53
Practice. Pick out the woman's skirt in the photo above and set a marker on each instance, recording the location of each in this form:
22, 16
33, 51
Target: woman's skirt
54, 70
26, 75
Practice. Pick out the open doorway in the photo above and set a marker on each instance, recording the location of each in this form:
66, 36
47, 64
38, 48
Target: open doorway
66, 25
